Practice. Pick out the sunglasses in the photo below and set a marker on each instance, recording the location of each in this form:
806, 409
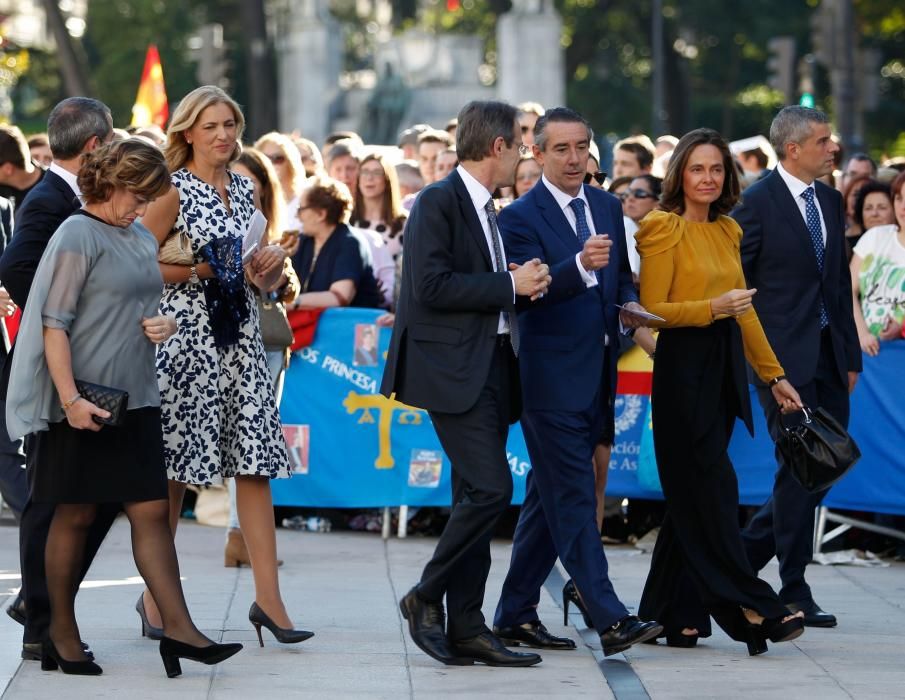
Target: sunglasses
599, 177
637, 194
277, 158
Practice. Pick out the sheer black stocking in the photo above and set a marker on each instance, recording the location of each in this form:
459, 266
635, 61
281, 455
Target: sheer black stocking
63, 558
155, 557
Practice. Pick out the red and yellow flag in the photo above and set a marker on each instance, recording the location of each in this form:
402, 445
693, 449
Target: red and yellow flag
151, 105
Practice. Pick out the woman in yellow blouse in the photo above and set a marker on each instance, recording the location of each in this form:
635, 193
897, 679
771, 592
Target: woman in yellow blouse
691, 275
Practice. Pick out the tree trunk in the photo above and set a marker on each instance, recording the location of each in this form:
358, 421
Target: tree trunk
262, 90
75, 78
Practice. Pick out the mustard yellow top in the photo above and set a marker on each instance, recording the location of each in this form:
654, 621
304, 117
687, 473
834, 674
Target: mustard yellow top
684, 264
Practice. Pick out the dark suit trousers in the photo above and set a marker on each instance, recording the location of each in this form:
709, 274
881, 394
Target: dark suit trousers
559, 517
784, 525
475, 442
33, 529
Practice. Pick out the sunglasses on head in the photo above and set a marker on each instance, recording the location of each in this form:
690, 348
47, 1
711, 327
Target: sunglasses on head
637, 194
599, 177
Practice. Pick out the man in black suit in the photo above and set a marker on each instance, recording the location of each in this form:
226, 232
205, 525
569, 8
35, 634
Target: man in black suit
76, 125
453, 353
793, 253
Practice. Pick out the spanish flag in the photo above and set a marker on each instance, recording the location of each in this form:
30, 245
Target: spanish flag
151, 105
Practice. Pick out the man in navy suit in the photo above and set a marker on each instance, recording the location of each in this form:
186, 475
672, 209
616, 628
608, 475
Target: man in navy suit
569, 341
793, 253
76, 125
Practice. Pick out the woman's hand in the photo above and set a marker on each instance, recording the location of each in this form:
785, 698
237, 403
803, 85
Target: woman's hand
158, 328
735, 302
267, 259
80, 415
869, 343
892, 330
786, 396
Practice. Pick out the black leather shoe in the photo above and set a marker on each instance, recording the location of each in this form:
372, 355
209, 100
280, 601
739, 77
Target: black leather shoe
487, 648
532, 634
31, 651
628, 631
16, 610
813, 615
427, 627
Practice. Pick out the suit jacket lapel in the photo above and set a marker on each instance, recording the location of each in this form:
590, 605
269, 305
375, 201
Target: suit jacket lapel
789, 208
554, 216
466, 206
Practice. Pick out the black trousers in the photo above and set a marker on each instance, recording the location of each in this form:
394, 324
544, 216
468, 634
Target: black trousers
699, 568
475, 442
33, 529
784, 525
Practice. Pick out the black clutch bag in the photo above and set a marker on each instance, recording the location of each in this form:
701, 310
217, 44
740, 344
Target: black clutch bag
113, 400
818, 450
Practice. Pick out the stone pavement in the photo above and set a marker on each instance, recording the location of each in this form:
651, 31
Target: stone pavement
345, 587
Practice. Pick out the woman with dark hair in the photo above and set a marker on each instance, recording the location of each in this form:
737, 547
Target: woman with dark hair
378, 205
873, 207
220, 418
92, 317
332, 262
691, 275
853, 229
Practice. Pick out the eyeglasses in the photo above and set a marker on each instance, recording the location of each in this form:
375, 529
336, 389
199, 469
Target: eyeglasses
599, 177
524, 149
276, 158
370, 173
637, 194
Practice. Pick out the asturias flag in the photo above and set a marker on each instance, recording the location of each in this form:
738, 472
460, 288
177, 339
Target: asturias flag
151, 105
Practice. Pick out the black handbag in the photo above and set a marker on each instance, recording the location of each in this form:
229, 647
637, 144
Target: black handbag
818, 450
113, 400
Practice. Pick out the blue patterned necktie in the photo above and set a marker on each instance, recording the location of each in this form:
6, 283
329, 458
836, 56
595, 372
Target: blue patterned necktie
500, 266
812, 219
581, 222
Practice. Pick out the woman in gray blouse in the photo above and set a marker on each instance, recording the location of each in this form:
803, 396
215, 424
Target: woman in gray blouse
92, 316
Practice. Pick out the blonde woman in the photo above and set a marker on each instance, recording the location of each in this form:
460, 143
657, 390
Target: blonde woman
218, 410
287, 161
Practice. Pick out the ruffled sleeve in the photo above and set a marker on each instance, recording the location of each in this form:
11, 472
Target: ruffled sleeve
659, 231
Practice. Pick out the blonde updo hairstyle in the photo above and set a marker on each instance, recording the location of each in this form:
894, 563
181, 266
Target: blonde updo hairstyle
178, 151
132, 164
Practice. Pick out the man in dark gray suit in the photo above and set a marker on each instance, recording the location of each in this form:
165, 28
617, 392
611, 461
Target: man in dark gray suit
453, 353
793, 253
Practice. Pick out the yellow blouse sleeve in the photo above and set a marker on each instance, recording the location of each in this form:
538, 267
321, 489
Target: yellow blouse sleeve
757, 348
658, 242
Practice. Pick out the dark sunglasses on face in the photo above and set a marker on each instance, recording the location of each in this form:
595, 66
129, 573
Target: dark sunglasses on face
277, 158
599, 177
637, 194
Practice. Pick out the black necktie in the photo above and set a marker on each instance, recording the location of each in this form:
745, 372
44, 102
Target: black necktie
501, 267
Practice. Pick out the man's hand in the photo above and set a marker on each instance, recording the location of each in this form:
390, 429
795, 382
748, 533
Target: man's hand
531, 279
630, 320
735, 302
852, 380
596, 253
7, 307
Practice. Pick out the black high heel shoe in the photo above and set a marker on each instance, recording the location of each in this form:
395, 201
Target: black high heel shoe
677, 639
778, 631
258, 618
147, 629
171, 651
51, 661
570, 595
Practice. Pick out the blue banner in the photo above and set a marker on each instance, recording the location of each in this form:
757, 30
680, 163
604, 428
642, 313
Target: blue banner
352, 447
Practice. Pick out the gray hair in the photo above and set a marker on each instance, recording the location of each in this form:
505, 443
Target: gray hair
793, 124
559, 114
75, 120
480, 124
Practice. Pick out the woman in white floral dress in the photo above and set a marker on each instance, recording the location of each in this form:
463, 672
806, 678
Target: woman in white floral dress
218, 410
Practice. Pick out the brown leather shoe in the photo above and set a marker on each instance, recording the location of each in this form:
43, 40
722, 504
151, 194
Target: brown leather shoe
235, 554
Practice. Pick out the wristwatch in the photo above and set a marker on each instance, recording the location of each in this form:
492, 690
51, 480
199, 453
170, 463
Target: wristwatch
193, 275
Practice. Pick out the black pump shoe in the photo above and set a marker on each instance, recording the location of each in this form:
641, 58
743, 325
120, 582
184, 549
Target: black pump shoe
51, 661
259, 619
171, 651
570, 595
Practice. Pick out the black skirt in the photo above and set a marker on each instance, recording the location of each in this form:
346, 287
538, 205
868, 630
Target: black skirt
114, 465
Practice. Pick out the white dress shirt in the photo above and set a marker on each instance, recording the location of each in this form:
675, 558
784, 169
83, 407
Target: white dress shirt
796, 187
563, 200
480, 195
71, 179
